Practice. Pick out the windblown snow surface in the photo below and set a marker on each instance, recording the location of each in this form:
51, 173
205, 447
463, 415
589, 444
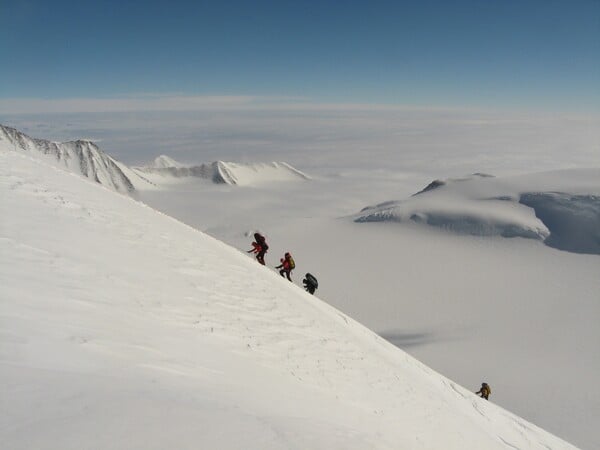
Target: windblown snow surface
123, 328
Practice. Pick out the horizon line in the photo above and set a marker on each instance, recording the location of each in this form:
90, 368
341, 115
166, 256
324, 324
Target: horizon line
178, 102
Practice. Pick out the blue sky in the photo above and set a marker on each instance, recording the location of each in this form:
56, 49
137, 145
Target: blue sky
533, 54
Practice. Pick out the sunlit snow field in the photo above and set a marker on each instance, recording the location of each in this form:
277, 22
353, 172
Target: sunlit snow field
510, 311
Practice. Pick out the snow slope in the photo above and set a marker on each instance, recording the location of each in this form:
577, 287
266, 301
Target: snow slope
561, 208
165, 171
82, 157
514, 312
123, 328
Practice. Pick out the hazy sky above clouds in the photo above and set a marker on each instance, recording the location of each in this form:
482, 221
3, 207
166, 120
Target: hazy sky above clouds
541, 54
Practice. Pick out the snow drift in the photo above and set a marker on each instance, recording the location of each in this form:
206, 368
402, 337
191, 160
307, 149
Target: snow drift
561, 208
166, 170
123, 328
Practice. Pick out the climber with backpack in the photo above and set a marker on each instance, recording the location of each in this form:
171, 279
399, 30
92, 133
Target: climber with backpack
286, 266
310, 283
484, 391
259, 247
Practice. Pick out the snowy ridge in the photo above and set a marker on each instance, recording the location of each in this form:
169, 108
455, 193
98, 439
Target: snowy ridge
82, 157
165, 170
125, 320
249, 174
560, 208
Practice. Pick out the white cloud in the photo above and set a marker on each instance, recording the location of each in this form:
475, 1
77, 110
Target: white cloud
180, 103
147, 102
315, 136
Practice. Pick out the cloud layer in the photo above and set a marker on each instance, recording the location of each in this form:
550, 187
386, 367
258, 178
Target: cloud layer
316, 136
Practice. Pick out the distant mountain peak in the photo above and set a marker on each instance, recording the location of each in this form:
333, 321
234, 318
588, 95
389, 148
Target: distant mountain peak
165, 169
164, 161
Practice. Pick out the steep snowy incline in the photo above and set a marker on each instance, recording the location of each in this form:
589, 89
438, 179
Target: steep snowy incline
123, 328
82, 157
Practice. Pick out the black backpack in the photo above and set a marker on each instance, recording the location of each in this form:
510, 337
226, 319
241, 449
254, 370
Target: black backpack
260, 239
312, 280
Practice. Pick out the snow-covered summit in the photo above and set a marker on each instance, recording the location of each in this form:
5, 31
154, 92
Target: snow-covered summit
120, 319
561, 208
165, 170
81, 156
164, 161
